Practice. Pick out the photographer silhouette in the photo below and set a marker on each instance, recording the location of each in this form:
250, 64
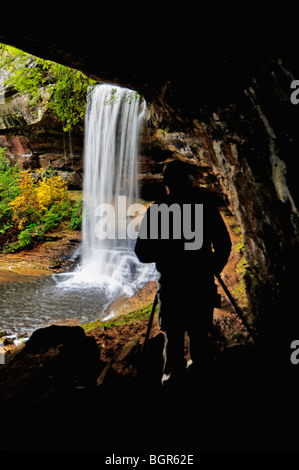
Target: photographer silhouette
186, 289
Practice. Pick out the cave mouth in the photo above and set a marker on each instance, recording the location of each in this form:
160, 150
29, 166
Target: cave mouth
158, 146
247, 134
240, 124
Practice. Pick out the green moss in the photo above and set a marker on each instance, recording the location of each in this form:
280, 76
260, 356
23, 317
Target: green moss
237, 229
257, 293
242, 266
239, 247
240, 290
140, 314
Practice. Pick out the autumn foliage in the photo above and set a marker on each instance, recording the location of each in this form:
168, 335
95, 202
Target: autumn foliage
35, 200
31, 205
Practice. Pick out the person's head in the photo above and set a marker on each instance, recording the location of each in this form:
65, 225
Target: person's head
176, 176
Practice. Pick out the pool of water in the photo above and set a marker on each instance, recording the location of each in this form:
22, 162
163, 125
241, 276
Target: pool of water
28, 303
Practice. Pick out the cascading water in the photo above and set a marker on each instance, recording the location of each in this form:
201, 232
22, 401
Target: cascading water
109, 268
113, 119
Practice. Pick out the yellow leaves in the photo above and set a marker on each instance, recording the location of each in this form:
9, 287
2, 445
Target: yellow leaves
51, 191
22, 223
26, 202
26, 183
35, 199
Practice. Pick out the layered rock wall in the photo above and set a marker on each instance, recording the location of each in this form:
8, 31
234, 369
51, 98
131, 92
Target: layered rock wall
248, 143
34, 138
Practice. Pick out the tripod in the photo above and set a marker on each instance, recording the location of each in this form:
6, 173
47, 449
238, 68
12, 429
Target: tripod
231, 299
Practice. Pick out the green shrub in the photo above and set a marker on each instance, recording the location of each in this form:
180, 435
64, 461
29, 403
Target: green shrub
33, 209
76, 216
9, 190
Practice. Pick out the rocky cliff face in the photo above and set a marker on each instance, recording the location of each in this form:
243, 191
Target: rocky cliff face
34, 138
157, 146
248, 146
230, 114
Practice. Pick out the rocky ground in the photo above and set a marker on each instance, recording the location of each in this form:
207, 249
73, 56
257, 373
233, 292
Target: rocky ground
58, 254
53, 255
95, 387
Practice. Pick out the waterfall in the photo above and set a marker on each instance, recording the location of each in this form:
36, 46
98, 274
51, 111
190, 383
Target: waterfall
112, 124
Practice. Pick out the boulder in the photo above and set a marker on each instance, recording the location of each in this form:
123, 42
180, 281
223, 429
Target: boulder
55, 360
76, 357
45, 338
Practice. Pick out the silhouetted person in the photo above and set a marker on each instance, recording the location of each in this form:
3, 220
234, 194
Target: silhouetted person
188, 248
